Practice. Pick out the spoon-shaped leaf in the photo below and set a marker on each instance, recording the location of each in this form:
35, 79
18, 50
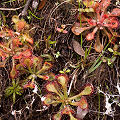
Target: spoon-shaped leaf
82, 103
62, 79
87, 90
49, 99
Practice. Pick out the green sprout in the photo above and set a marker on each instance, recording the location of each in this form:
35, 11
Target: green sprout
13, 90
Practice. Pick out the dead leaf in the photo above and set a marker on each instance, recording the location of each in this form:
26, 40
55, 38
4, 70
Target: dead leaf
98, 46
77, 48
2, 64
42, 4
81, 112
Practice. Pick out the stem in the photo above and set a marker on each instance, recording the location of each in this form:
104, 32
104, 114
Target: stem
24, 12
71, 98
80, 22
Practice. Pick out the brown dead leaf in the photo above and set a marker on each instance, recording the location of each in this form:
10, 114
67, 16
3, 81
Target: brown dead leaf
42, 4
98, 46
81, 112
2, 64
77, 48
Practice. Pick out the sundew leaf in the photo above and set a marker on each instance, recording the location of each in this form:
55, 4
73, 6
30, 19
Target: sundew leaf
62, 79
98, 46
19, 67
66, 110
87, 90
42, 4
82, 103
72, 117
29, 85
51, 87
8, 91
77, 30
13, 72
115, 12
46, 66
49, 99
104, 4
2, 64
57, 116
15, 18
27, 62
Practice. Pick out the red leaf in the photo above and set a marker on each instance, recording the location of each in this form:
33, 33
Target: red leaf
115, 12
111, 22
27, 53
2, 64
88, 89
77, 30
48, 99
16, 41
67, 110
3, 54
51, 87
29, 85
62, 79
13, 72
20, 25
104, 4
27, 38
90, 36
57, 116
10, 33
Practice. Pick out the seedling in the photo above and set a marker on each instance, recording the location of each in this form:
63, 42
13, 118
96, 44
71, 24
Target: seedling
99, 20
57, 54
58, 95
64, 71
114, 52
62, 29
49, 43
13, 90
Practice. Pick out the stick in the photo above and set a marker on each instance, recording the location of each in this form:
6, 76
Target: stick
11, 9
24, 12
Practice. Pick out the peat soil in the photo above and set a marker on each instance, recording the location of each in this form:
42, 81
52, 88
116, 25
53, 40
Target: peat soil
43, 22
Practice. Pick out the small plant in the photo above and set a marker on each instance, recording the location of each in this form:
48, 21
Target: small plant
58, 95
115, 53
64, 71
33, 67
16, 44
13, 90
62, 29
36, 70
99, 20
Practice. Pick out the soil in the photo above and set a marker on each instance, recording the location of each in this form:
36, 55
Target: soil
54, 13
